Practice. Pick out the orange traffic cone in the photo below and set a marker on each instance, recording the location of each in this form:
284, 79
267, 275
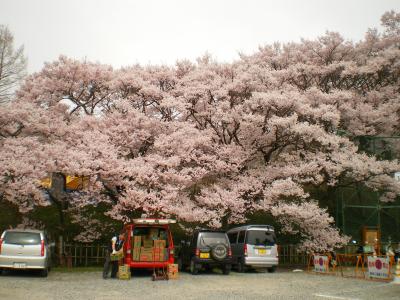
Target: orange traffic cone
396, 278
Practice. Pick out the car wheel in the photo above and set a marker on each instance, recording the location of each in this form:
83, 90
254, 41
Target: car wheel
194, 270
226, 269
219, 252
272, 269
240, 266
44, 272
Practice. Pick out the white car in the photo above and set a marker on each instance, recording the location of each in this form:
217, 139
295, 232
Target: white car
254, 246
24, 249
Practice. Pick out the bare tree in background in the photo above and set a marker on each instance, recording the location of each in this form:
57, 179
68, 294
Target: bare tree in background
12, 64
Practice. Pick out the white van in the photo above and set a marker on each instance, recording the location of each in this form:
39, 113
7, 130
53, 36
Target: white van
254, 246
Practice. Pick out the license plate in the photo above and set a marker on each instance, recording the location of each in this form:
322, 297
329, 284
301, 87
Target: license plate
20, 265
204, 255
262, 251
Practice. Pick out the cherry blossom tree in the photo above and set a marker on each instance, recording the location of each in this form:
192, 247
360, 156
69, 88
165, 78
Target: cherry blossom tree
208, 143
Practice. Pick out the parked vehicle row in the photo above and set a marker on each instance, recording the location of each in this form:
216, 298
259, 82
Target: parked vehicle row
245, 247
149, 244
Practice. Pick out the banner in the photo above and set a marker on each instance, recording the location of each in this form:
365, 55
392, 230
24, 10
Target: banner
378, 267
321, 264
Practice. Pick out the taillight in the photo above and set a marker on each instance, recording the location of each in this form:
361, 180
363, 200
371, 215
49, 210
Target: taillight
42, 249
1, 242
197, 252
229, 251
245, 249
278, 248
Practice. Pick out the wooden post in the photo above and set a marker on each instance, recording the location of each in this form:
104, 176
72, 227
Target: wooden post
60, 251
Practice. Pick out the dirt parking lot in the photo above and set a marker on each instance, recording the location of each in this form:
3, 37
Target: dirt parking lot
256, 285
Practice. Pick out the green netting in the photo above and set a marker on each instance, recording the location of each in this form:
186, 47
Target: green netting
357, 207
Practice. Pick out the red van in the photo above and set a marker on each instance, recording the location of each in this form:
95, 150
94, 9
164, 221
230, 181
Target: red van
149, 243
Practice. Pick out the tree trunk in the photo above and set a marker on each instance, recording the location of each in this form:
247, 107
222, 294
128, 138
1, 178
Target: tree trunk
58, 196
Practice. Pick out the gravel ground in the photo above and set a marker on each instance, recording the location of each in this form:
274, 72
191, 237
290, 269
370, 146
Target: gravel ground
283, 284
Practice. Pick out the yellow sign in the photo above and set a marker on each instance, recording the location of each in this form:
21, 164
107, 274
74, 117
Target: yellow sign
72, 182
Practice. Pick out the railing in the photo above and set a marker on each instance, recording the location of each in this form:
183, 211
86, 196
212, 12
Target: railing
290, 255
81, 255
93, 255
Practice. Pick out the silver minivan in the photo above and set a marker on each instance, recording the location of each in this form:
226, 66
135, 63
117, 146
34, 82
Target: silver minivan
24, 249
254, 246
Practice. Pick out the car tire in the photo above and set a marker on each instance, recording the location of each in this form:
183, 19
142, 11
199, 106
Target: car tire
194, 270
226, 269
215, 252
272, 269
44, 272
241, 268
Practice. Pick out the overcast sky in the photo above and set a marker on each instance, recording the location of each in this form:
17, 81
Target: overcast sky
124, 32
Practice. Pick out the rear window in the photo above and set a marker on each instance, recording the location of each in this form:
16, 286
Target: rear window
260, 238
212, 238
22, 238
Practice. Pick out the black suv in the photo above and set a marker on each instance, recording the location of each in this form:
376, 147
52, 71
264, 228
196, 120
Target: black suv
206, 248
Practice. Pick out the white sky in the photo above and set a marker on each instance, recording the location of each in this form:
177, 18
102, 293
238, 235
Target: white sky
124, 32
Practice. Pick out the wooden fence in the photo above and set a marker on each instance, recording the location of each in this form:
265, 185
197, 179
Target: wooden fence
289, 255
93, 255
80, 255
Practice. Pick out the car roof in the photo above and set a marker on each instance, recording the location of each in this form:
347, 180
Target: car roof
24, 230
247, 227
209, 230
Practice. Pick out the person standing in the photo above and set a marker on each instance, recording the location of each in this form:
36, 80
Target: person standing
115, 245
397, 253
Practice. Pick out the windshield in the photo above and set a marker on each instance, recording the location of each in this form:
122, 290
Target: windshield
22, 238
211, 238
260, 238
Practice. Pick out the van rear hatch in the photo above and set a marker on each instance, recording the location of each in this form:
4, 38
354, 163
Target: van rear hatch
260, 242
21, 243
150, 244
